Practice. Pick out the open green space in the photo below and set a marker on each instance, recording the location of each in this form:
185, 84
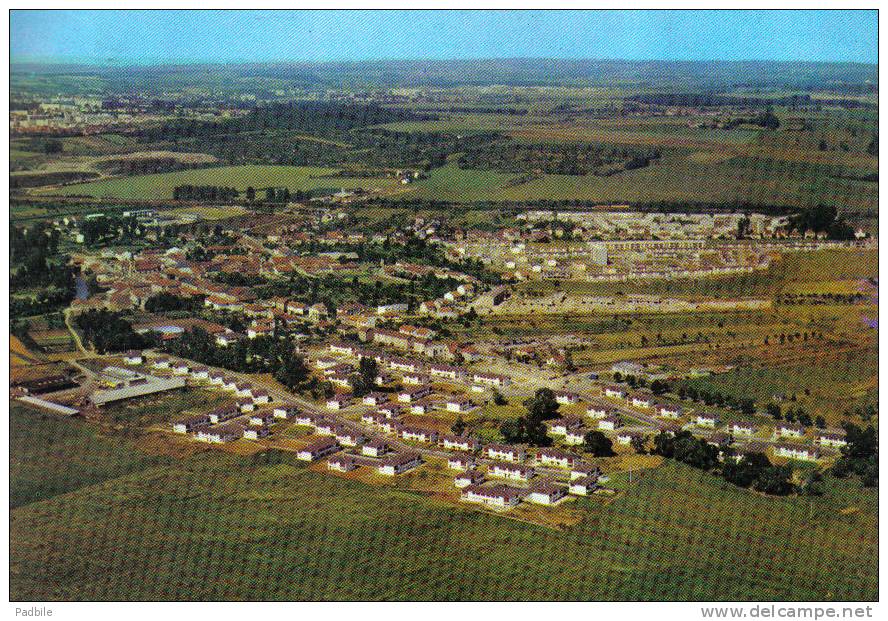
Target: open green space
269, 529
731, 181
834, 383
50, 456
160, 186
163, 407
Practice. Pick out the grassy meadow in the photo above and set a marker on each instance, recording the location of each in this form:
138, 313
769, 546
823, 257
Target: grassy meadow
160, 186
738, 165
834, 382
52, 456
698, 164
216, 526
716, 180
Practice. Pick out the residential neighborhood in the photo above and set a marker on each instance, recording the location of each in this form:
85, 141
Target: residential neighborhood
428, 305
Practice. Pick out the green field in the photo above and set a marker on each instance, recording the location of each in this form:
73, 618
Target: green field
835, 382
162, 407
452, 183
51, 456
704, 165
736, 180
698, 164
676, 177
220, 527
160, 186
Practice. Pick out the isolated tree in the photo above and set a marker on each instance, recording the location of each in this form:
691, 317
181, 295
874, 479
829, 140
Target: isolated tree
811, 484
52, 146
744, 471
459, 426
598, 444
774, 480
369, 370
293, 372
739, 473
768, 120
525, 430
358, 386
870, 475
694, 451
863, 442
658, 387
542, 406
512, 430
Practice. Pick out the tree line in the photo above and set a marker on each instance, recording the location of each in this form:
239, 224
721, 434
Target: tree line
506, 155
822, 219
108, 332
263, 354
313, 117
204, 193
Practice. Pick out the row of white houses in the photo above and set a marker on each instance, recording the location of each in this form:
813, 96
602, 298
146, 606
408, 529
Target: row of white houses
415, 371
500, 496
239, 388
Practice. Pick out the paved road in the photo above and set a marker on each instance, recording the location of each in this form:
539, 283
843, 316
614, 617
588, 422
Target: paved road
283, 396
650, 423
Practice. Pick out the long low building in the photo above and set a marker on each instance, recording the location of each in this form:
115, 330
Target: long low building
49, 405
500, 496
135, 385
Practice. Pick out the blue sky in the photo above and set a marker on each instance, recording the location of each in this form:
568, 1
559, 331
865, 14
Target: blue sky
145, 37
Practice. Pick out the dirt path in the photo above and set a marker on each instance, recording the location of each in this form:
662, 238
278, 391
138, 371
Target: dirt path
77, 341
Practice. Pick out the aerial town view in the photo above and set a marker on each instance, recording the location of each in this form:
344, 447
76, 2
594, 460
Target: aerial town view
392, 310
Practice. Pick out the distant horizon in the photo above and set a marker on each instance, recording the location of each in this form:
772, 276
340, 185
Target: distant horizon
172, 37
111, 63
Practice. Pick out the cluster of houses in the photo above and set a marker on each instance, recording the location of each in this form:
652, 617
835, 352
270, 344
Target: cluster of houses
219, 426
415, 376
474, 486
129, 280
229, 423
252, 407
373, 453
251, 417
526, 254
710, 421
505, 462
449, 305
419, 340
255, 417
618, 246
249, 397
